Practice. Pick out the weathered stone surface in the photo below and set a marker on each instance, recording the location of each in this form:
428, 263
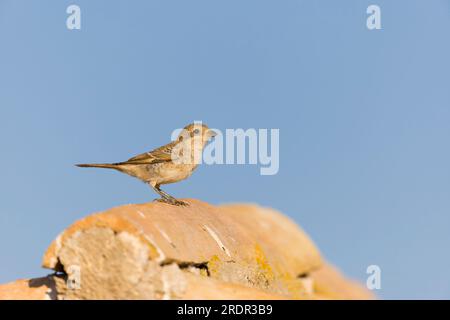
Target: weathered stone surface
29, 289
159, 251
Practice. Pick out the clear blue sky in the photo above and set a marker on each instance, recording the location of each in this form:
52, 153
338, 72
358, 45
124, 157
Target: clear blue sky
364, 119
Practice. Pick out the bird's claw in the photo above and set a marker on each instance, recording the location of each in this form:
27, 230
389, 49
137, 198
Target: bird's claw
174, 202
181, 203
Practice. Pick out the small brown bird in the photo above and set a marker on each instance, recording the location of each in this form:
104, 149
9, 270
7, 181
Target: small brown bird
167, 164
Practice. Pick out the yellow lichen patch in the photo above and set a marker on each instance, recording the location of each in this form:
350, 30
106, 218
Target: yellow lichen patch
278, 279
265, 274
214, 265
204, 272
262, 262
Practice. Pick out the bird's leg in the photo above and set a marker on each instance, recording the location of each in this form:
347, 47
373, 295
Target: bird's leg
164, 196
167, 198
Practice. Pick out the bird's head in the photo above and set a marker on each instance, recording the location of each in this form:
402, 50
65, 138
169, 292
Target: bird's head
191, 141
196, 133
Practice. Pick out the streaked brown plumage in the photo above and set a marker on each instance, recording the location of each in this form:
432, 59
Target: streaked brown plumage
167, 164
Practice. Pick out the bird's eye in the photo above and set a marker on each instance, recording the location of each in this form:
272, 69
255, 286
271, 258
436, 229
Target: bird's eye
196, 131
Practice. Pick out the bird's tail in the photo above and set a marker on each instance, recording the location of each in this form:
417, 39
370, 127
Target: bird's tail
99, 165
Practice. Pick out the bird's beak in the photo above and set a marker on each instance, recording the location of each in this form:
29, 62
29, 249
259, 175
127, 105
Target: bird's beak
211, 133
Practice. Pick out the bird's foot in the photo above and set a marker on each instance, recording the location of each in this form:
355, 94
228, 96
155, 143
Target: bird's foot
173, 201
180, 203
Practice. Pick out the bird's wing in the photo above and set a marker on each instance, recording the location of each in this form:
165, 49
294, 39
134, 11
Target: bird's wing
161, 154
